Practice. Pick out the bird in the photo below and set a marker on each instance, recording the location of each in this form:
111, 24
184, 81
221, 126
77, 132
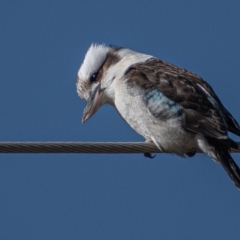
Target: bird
168, 105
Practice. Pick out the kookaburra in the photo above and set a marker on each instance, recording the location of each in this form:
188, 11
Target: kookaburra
168, 105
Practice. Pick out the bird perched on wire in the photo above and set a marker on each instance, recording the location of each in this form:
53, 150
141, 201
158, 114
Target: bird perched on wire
170, 106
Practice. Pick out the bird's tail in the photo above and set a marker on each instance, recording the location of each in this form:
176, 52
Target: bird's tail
224, 158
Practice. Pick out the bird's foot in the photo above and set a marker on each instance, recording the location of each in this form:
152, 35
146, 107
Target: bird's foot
149, 155
190, 154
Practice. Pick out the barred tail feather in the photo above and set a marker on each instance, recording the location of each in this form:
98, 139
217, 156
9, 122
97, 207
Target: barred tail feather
225, 159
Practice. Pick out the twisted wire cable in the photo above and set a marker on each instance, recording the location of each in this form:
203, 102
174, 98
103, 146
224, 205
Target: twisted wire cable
82, 147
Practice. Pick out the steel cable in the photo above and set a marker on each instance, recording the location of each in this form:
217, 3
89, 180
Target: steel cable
81, 147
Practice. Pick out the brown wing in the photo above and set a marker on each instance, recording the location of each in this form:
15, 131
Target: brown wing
203, 111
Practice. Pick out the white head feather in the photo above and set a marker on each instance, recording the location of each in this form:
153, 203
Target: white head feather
93, 60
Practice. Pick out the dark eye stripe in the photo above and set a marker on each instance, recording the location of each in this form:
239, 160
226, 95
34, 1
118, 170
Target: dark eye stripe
110, 60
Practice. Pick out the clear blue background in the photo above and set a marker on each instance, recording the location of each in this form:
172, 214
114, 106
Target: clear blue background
73, 196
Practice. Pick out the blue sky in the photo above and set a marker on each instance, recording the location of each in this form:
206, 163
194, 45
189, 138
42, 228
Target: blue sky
73, 196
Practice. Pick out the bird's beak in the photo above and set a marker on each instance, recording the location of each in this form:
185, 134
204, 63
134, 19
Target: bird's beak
93, 103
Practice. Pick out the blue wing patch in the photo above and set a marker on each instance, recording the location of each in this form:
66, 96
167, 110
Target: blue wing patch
162, 107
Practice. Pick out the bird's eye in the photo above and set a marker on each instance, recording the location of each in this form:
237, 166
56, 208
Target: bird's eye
94, 77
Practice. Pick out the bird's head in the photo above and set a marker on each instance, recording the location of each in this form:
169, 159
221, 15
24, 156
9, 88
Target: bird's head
95, 77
